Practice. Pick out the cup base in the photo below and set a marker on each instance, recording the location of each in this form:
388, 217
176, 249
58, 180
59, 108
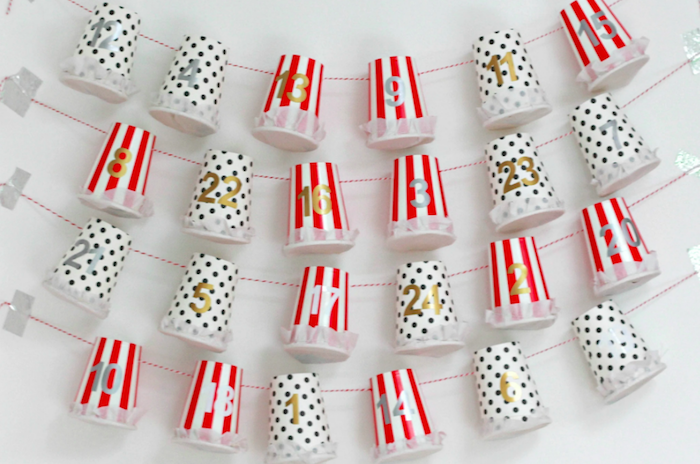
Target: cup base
502, 435
96, 89
111, 207
182, 122
205, 446
307, 353
432, 348
410, 453
627, 180
321, 247
74, 301
528, 324
534, 219
285, 139
313, 459
399, 142
517, 118
620, 76
634, 386
98, 421
192, 340
628, 283
421, 241
214, 237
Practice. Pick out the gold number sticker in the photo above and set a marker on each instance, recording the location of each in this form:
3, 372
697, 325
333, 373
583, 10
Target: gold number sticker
121, 157
517, 288
294, 401
199, 294
226, 199
316, 200
431, 301
511, 173
301, 87
495, 65
506, 385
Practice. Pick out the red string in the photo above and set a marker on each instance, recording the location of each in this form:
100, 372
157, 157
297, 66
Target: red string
658, 82
9, 7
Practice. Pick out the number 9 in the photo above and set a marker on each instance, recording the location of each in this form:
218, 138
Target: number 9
400, 91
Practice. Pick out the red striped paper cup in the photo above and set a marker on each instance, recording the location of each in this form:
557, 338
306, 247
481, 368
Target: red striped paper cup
118, 179
290, 116
108, 390
519, 295
318, 332
398, 116
608, 55
210, 420
618, 255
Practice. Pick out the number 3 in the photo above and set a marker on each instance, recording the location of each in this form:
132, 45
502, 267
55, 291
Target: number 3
421, 187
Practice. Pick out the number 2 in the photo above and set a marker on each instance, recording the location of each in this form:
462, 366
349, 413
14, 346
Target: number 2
517, 288
434, 294
421, 187
98, 26
400, 91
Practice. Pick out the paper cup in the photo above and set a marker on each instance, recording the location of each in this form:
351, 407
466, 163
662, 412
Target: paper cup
299, 432
510, 90
190, 97
289, 119
318, 332
618, 255
221, 204
318, 222
88, 271
117, 181
618, 358
523, 196
398, 116
608, 55
102, 62
519, 295
425, 320
108, 389
509, 402
419, 219
201, 308
403, 428
615, 154
212, 411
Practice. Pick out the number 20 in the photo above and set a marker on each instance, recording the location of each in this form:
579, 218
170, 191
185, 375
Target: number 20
615, 238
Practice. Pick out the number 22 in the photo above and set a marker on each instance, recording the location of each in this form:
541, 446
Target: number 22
226, 199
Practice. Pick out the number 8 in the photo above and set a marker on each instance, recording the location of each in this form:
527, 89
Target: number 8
400, 91
119, 161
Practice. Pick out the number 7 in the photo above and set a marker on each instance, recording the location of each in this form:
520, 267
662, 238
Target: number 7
612, 124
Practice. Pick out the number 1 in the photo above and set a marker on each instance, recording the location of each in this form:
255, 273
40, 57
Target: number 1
294, 401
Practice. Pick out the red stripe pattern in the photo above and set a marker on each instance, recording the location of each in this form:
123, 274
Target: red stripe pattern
400, 414
108, 388
395, 90
211, 411
322, 299
417, 189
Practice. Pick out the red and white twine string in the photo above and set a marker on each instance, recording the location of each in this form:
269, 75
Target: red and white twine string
349, 390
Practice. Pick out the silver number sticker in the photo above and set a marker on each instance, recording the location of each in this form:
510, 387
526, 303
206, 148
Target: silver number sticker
399, 93
421, 187
612, 124
601, 23
107, 42
192, 77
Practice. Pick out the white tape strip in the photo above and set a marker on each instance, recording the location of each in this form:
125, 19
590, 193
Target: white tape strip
691, 44
12, 190
19, 313
18, 91
688, 163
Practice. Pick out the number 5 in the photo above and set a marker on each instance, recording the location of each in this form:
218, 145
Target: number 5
199, 294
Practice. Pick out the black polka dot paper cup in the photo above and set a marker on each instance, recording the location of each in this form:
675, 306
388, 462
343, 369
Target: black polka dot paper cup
403, 427
87, 274
511, 94
398, 116
317, 220
102, 62
523, 196
109, 387
519, 295
419, 218
290, 116
608, 55
210, 419
616, 155
619, 359
426, 322
190, 97
221, 204
509, 402
319, 332
299, 431
201, 309
619, 258
119, 175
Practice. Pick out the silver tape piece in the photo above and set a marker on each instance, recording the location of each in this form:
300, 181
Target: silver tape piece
12, 190
694, 254
688, 163
691, 44
18, 91
19, 313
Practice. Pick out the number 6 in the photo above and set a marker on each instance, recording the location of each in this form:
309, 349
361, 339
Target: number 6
505, 385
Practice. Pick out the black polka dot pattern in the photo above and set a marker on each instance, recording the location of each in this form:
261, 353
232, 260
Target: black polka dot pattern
611, 146
195, 81
203, 302
88, 271
518, 180
110, 38
507, 393
212, 211
424, 305
507, 83
608, 340
298, 424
